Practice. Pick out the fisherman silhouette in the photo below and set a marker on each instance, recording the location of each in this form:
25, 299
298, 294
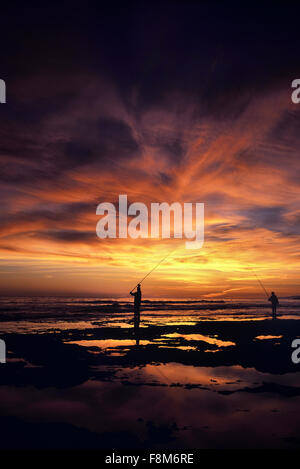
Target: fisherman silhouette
274, 300
137, 304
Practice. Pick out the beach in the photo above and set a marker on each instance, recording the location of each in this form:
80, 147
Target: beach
200, 374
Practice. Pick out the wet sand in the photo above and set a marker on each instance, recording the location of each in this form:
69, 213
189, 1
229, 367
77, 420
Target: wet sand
184, 382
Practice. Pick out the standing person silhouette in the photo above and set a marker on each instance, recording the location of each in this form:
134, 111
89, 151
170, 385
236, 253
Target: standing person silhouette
137, 304
274, 300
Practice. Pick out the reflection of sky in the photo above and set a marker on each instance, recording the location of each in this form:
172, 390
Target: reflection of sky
204, 418
266, 337
212, 406
200, 337
209, 404
224, 377
108, 343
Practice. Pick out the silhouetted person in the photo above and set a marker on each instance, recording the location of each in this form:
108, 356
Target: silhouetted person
137, 304
274, 300
137, 336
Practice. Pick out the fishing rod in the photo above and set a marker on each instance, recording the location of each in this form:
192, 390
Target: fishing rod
257, 278
267, 295
259, 281
154, 268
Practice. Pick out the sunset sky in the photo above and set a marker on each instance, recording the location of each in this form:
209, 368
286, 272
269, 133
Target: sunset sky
170, 102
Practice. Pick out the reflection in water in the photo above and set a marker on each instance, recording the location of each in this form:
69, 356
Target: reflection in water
108, 343
183, 417
227, 378
263, 337
197, 337
155, 387
42, 326
112, 346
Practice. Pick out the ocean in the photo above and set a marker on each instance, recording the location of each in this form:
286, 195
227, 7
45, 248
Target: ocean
197, 374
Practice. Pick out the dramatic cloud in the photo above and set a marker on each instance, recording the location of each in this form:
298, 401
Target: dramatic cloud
187, 108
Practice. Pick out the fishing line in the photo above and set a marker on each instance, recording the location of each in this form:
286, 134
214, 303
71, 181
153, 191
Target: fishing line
259, 281
254, 273
155, 267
